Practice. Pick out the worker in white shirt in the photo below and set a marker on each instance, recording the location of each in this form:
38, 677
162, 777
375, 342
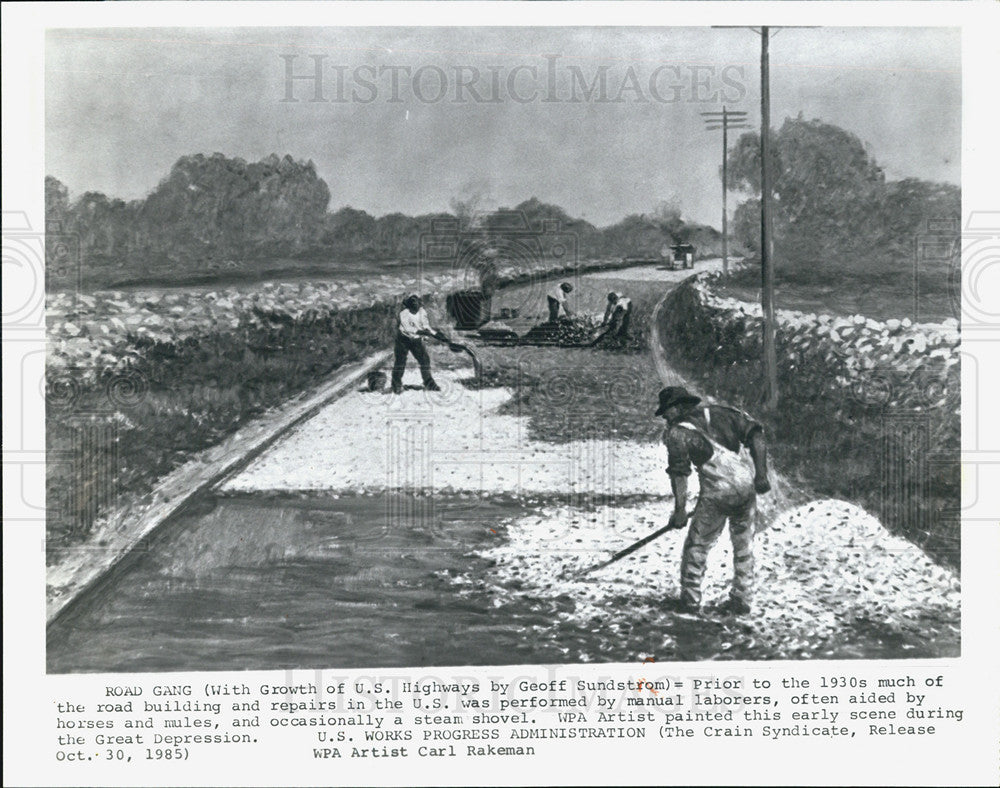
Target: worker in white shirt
557, 298
413, 326
617, 315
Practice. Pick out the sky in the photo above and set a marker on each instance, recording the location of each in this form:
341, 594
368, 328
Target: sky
409, 119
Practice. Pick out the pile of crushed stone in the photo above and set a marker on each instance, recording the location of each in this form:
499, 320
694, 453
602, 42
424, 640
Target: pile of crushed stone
567, 331
822, 567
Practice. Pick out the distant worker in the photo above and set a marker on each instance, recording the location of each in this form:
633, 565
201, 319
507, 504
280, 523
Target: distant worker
617, 315
412, 327
711, 439
557, 298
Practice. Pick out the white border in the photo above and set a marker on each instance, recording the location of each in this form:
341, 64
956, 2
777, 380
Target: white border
28, 693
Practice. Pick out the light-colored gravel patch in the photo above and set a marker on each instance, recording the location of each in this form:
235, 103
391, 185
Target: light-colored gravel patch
821, 566
653, 273
449, 441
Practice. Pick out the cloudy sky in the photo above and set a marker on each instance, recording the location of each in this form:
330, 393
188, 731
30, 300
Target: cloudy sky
604, 122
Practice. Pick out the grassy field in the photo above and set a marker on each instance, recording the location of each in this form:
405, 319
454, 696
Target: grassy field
929, 296
234, 273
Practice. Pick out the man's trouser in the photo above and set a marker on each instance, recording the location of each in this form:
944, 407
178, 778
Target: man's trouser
619, 322
707, 521
553, 310
404, 345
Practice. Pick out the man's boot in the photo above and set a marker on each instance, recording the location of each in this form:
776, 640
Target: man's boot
687, 603
734, 606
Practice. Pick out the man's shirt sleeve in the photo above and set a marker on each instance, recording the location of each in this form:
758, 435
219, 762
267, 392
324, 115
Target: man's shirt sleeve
678, 451
747, 427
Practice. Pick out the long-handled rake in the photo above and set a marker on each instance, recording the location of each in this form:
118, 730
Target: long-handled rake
628, 550
458, 347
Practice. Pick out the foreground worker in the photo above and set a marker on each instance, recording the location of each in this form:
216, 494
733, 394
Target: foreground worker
617, 315
557, 300
711, 438
412, 326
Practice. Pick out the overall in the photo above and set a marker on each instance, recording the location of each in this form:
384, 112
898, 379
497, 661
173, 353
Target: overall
727, 492
620, 320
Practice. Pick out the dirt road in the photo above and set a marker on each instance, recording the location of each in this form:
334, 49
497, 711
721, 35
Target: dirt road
442, 529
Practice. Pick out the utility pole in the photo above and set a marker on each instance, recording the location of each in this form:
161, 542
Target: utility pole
766, 226
770, 357
725, 120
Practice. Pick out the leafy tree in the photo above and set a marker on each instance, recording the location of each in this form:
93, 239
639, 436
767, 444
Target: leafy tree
56, 203
102, 224
215, 206
745, 226
57, 214
211, 211
349, 230
914, 207
832, 205
397, 236
644, 235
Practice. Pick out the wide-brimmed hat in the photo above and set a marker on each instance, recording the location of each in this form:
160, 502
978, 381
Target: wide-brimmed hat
675, 395
567, 287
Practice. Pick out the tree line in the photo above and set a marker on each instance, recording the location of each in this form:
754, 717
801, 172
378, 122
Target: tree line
834, 210
214, 208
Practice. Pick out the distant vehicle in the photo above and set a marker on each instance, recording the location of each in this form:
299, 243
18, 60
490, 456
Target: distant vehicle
682, 256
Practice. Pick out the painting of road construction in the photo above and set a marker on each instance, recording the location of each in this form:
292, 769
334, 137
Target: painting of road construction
407, 383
